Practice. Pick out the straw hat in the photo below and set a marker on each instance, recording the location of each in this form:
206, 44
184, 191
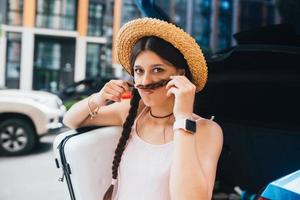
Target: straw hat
134, 30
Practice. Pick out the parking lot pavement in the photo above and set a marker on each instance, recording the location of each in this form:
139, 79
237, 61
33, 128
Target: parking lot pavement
33, 176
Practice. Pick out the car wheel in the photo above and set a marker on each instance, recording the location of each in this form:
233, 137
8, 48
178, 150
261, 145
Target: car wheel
17, 136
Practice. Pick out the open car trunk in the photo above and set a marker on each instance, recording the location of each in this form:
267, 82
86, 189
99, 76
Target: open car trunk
253, 92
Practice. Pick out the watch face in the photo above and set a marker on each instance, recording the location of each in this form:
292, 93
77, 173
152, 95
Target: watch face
190, 125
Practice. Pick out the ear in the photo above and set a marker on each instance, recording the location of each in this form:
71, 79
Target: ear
180, 72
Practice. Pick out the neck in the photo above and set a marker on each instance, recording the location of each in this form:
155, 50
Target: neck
160, 117
161, 113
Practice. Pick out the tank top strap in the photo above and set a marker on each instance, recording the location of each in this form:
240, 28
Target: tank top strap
141, 113
137, 118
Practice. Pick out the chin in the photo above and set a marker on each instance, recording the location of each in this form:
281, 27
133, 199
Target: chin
155, 100
149, 103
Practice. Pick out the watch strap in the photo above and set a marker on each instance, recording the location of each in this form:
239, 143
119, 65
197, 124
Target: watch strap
179, 124
186, 124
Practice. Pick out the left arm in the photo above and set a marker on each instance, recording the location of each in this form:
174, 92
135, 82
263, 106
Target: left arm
195, 157
195, 161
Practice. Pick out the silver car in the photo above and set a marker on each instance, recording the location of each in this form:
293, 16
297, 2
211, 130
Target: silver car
25, 116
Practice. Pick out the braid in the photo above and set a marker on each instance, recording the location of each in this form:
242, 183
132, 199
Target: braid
123, 140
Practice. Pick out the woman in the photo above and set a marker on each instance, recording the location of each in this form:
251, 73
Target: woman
167, 151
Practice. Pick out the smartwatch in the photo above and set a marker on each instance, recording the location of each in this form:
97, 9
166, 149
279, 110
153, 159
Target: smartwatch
186, 124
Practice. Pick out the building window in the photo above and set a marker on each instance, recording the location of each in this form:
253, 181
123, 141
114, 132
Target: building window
177, 10
96, 64
13, 60
53, 63
96, 15
56, 14
225, 24
46, 66
129, 11
201, 20
264, 13
201, 23
14, 12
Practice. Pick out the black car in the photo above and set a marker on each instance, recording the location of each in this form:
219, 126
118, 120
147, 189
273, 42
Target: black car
81, 89
253, 92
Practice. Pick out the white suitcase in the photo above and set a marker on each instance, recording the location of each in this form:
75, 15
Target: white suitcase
84, 157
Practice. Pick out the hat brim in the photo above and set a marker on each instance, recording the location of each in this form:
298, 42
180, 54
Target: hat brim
134, 30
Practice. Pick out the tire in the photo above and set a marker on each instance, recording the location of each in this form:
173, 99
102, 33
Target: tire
17, 136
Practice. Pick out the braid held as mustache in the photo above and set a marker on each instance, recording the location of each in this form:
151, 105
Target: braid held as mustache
153, 85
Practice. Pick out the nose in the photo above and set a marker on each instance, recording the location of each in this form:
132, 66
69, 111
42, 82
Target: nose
146, 79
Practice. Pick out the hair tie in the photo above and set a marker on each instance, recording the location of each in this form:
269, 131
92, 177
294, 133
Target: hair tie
113, 181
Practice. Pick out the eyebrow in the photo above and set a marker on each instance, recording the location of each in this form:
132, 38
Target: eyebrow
154, 65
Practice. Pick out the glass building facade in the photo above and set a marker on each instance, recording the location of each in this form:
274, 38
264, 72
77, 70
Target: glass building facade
100, 24
57, 57
82, 44
95, 61
95, 19
53, 69
264, 13
14, 12
13, 60
225, 24
129, 11
213, 21
56, 14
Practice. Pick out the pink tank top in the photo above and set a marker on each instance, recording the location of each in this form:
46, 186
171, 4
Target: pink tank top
144, 169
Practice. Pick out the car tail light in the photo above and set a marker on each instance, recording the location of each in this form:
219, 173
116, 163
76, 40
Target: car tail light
261, 198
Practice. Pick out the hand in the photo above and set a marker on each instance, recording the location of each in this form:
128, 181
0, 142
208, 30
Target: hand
184, 92
111, 91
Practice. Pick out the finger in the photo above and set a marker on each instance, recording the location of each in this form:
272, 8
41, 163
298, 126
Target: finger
114, 91
118, 87
116, 84
112, 97
173, 90
173, 83
123, 84
184, 82
181, 79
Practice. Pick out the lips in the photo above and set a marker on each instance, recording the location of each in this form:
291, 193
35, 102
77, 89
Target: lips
146, 91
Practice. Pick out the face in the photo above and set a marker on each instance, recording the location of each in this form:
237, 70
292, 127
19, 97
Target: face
150, 68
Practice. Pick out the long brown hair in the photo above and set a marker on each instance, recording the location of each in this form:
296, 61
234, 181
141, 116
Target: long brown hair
166, 51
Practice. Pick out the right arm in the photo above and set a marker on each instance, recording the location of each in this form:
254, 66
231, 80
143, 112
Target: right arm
113, 114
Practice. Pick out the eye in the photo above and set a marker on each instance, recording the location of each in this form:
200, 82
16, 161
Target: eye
138, 71
158, 69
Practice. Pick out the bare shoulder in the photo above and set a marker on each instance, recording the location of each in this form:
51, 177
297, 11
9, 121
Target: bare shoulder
209, 143
208, 130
